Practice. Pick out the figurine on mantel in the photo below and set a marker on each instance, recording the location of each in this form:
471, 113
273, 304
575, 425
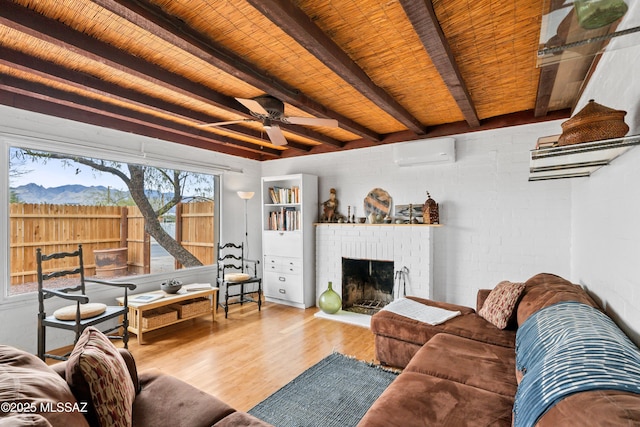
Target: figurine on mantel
330, 209
430, 214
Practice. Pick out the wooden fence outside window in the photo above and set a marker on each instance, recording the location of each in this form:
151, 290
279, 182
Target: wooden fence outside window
57, 228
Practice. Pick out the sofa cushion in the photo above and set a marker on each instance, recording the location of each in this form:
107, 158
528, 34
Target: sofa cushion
499, 305
161, 394
26, 420
546, 289
97, 372
594, 408
415, 399
486, 366
27, 380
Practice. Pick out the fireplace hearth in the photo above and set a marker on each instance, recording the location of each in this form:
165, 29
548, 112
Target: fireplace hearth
367, 285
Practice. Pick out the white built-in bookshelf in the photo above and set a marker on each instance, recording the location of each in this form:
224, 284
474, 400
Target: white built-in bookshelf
289, 210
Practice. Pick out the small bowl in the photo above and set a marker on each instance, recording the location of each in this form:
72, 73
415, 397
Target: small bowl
171, 288
362, 219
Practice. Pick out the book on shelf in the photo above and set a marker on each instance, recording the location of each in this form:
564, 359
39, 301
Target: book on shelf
547, 141
145, 298
284, 219
194, 287
284, 195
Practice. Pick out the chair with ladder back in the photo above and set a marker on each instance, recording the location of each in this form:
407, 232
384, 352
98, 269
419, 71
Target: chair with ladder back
234, 276
81, 314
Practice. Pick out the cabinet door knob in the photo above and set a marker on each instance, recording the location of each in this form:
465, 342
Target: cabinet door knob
282, 291
282, 279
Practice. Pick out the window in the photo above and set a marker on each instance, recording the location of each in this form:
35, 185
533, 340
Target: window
132, 219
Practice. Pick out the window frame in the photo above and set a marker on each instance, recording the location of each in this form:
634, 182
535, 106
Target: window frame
150, 157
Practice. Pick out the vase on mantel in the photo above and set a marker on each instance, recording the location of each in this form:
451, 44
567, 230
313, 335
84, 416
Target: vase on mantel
329, 301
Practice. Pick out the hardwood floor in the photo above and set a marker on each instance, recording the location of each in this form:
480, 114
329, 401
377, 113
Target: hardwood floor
250, 355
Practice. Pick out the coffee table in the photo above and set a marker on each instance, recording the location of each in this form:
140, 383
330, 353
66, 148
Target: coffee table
189, 294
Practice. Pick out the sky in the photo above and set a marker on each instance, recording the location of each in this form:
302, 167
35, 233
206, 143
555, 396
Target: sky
55, 174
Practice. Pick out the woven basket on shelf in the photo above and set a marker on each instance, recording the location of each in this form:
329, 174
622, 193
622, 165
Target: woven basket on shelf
190, 308
594, 122
158, 317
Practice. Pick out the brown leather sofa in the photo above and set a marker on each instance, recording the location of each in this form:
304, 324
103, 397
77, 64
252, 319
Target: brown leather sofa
463, 372
35, 394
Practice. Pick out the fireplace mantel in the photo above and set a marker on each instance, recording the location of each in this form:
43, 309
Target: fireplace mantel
349, 224
407, 245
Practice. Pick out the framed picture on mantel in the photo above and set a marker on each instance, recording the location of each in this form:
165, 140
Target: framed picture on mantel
405, 211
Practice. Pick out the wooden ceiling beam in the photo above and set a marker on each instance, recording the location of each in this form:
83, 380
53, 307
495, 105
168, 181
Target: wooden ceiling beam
85, 82
304, 31
41, 92
26, 101
36, 25
172, 30
29, 22
546, 81
426, 25
54, 72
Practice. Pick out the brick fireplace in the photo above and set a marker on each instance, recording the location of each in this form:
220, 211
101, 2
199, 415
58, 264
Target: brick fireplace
408, 247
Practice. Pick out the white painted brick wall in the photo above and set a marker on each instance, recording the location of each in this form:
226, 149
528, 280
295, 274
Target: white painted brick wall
407, 246
496, 225
606, 206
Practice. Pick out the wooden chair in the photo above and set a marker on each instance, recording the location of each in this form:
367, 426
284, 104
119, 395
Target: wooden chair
81, 314
233, 272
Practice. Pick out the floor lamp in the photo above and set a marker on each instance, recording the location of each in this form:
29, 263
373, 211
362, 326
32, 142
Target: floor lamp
246, 195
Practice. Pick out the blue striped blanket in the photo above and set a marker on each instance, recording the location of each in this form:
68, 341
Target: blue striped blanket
567, 348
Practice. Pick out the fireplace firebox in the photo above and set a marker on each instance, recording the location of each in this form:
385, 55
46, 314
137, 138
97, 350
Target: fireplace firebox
367, 285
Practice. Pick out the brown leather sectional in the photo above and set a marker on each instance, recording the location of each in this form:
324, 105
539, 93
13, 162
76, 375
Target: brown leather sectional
28, 387
463, 372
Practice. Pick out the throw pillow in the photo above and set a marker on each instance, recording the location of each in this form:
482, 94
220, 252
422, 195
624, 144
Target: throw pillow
96, 365
499, 305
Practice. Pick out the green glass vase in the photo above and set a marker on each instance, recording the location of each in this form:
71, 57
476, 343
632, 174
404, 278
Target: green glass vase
329, 301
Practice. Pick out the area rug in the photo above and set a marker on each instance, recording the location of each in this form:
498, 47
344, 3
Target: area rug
337, 391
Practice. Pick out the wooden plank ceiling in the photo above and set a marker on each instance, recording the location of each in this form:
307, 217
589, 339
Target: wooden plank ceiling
385, 70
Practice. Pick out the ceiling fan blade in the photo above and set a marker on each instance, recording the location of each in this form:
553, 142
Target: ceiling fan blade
275, 135
253, 105
229, 122
313, 121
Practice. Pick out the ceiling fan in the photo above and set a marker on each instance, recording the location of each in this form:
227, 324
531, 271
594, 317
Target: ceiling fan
269, 111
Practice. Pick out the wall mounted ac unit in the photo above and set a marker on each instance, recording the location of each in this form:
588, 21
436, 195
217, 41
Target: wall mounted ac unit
424, 151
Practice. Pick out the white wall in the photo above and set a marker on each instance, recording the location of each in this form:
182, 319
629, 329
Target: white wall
497, 225
606, 206
18, 313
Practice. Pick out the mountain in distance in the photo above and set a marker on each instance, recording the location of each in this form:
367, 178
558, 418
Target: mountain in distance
73, 194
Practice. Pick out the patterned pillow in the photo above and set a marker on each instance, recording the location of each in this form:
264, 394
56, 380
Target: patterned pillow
499, 305
95, 364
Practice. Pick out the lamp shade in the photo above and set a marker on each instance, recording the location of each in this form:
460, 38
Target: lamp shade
245, 195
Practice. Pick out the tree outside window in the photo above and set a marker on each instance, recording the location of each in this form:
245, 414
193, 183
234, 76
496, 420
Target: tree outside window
163, 217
